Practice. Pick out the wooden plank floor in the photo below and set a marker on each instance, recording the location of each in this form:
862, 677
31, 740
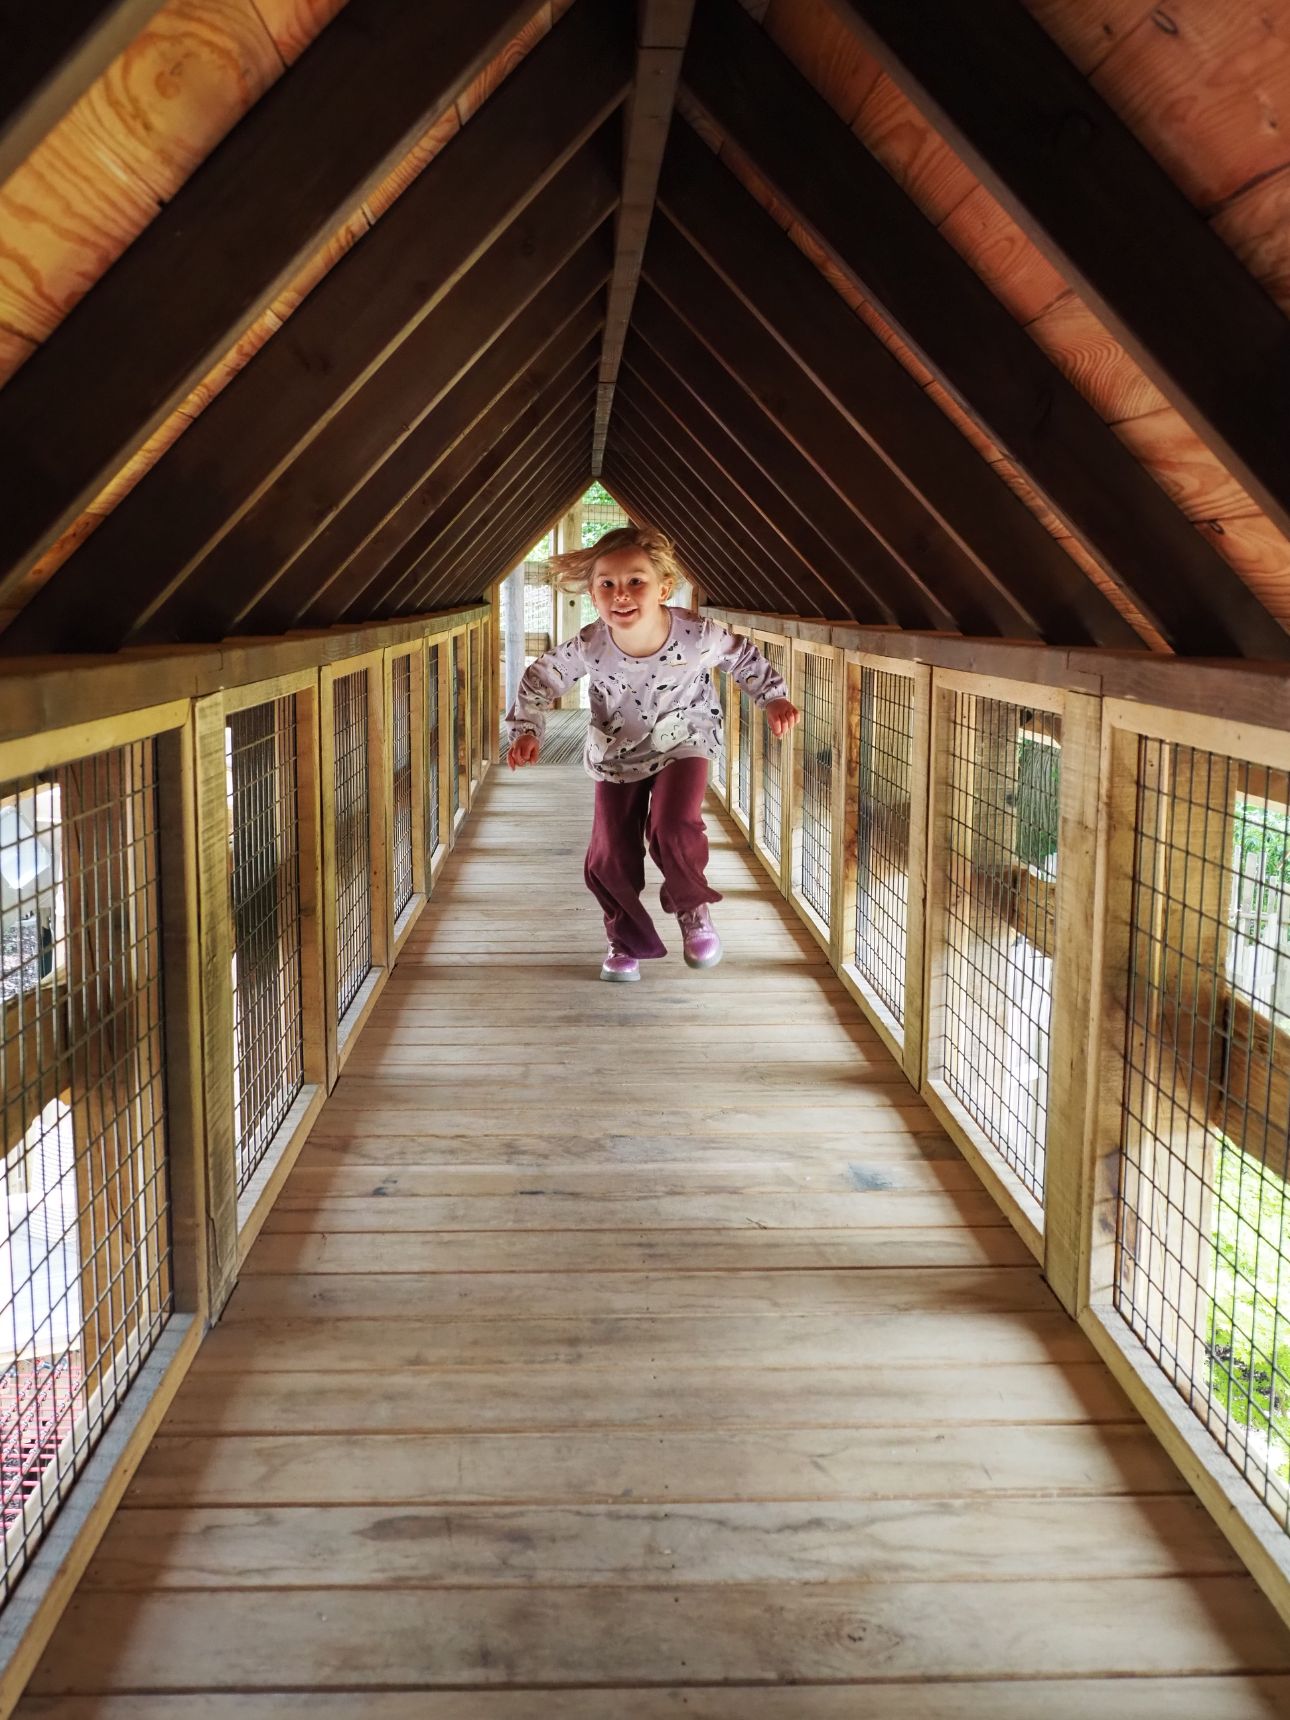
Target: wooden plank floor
642, 1352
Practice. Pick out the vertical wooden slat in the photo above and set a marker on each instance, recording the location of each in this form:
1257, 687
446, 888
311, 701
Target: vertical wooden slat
217, 998
916, 909
1070, 1090
182, 1000
313, 898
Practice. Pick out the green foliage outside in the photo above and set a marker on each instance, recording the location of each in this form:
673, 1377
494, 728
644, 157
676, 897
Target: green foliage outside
1248, 1341
1039, 776
601, 513
1261, 836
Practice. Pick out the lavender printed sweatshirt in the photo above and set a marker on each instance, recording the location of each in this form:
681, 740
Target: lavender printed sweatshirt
645, 711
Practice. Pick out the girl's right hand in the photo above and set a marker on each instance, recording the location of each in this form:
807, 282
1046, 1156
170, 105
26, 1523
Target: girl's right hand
523, 750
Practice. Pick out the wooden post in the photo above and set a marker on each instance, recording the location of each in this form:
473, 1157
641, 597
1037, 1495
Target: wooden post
1071, 1091
842, 853
217, 999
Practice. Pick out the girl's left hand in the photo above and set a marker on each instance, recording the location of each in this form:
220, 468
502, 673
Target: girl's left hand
781, 715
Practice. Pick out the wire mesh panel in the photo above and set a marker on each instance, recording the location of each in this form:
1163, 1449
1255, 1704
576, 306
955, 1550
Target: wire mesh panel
1000, 894
353, 830
401, 780
1203, 1237
882, 833
264, 891
771, 819
815, 850
454, 692
743, 759
85, 1271
434, 740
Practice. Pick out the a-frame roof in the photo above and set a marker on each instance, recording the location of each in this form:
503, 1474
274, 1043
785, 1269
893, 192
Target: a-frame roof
961, 315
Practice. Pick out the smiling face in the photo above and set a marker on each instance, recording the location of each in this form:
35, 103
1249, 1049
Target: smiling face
629, 596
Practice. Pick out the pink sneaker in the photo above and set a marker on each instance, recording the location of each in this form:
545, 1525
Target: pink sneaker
622, 969
702, 945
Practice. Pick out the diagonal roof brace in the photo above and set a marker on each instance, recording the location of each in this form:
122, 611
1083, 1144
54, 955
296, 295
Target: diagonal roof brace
664, 28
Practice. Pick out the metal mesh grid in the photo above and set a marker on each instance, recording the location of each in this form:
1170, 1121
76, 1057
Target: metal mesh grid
85, 1274
772, 763
815, 855
264, 898
401, 779
743, 760
1001, 852
882, 833
353, 827
1203, 1236
434, 741
454, 691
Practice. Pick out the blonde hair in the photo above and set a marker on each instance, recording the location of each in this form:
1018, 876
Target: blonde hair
573, 570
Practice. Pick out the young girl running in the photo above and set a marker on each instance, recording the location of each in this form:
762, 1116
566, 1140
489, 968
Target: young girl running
655, 724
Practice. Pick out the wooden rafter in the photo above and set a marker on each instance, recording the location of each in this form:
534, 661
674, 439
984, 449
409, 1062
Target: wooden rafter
826, 517
1044, 142
288, 516
409, 486
51, 57
527, 532
494, 499
917, 569
970, 342
664, 26
731, 532
717, 571
252, 214
619, 484
500, 437
351, 331
543, 499
716, 461
1043, 590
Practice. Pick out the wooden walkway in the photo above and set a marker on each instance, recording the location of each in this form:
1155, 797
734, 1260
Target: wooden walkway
634, 1353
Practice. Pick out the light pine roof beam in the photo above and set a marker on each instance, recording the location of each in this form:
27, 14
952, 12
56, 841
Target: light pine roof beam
52, 54
1105, 214
663, 30
249, 218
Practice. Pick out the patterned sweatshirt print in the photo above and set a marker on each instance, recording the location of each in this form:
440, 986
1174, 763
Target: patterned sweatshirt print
645, 711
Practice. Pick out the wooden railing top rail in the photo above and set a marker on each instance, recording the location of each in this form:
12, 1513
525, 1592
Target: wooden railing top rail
1242, 692
58, 692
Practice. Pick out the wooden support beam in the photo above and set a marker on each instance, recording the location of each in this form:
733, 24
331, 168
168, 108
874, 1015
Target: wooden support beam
345, 342
376, 77
532, 515
286, 518
891, 253
516, 368
707, 517
718, 463
842, 574
51, 57
695, 372
486, 499
879, 398
493, 452
662, 28
469, 566
678, 514
1106, 215
920, 574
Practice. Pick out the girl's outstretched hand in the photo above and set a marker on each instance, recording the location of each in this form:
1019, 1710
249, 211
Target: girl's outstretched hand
523, 750
781, 715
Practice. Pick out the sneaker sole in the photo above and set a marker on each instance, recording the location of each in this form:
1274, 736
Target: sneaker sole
620, 978
705, 961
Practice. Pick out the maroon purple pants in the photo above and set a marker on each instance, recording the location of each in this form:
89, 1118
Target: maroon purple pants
664, 812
